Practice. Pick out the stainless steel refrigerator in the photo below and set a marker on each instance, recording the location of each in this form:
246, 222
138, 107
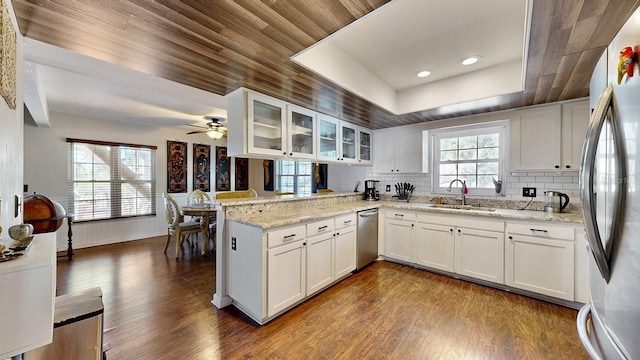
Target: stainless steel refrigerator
609, 325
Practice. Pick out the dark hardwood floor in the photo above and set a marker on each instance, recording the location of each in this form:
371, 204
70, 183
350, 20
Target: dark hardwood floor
160, 308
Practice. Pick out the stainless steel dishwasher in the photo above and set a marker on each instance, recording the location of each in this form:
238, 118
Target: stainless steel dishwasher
367, 243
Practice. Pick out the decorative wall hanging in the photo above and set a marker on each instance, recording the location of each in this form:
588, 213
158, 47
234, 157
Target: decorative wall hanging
176, 167
222, 169
267, 166
242, 174
201, 167
7, 58
319, 177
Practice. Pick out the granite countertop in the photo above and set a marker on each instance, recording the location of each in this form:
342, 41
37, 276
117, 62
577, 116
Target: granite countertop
296, 215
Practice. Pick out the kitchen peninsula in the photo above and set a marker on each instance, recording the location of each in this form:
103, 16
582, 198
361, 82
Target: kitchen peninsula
253, 231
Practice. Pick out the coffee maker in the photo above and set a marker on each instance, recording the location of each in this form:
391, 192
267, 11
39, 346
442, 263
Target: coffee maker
370, 192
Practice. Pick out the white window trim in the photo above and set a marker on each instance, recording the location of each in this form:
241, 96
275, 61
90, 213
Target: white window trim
502, 127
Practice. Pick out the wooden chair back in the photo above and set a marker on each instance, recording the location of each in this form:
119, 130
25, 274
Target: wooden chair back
236, 194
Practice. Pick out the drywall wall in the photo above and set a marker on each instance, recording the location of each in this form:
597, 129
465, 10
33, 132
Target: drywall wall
11, 146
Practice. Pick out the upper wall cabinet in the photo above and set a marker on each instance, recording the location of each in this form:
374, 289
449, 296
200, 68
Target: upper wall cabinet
262, 126
337, 140
549, 138
398, 150
365, 145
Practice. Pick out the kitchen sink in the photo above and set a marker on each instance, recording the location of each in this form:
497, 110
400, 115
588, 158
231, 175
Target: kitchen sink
462, 207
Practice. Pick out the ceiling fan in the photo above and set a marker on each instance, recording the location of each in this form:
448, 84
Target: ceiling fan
214, 129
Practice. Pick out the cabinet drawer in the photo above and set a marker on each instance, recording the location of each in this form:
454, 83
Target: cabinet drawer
541, 230
319, 227
286, 235
462, 222
400, 215
345, 220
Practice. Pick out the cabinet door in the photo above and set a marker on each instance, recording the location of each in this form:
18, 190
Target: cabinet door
266, 125
286, 277
435, 246
581, 271
319, 262
544, 266
384, 151
301, 132
365, 145
480, 254
348, 143
328, 133
535, 139
398, 239
575, 120
345, 253
408, 149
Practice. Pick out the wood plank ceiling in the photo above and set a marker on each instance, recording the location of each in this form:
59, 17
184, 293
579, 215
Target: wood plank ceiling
221, 45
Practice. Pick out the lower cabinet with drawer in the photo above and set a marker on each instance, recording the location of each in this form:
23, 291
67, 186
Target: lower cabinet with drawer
539, 257
272, 271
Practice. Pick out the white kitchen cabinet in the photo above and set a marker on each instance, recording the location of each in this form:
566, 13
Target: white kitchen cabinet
320, 255
399, 235
301, 136
480, 254
345, 245
337, 140
435, 246
549, 137
398, 150
271, 271
582, 256
263, 126
286, 276
365, 146
540, 258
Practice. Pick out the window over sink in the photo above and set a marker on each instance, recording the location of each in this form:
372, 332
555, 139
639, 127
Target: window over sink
474, 154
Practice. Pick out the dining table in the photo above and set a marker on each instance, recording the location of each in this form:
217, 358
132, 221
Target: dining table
205, 212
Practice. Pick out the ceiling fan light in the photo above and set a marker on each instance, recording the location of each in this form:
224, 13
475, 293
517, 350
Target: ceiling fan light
214, 134
424, 73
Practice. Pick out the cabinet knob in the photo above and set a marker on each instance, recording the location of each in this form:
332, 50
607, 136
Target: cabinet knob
284, 153
510, 237
459, 231
568, 166
450, 230
397, 170
290, 154
557, 166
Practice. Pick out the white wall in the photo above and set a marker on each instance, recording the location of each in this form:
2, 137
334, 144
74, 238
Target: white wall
11, 145
45, 171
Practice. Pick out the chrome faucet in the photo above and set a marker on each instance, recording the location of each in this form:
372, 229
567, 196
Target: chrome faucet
461, 189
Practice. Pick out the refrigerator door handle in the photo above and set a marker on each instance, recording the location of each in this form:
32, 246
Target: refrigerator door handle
589, 151
583, 333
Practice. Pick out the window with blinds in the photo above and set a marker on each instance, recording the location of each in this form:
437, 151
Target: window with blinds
111, 180
294, 176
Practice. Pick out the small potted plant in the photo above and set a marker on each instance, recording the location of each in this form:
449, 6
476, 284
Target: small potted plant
498, 185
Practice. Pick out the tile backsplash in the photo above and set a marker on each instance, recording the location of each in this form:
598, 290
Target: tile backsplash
566, 182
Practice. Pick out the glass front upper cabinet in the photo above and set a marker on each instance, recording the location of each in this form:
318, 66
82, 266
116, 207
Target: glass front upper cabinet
349, 142
328, 129
365, 137
301, 132
266, 125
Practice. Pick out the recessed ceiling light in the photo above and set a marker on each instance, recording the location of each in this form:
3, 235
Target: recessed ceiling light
470, 60
424, 73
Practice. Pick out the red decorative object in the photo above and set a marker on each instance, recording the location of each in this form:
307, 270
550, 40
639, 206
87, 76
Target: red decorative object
626, 64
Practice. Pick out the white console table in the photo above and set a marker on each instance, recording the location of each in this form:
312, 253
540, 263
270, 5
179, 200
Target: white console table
27, 298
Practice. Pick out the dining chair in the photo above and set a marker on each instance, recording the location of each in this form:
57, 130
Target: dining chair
236, 194
324, 191
278, 193
199, 197
176, 224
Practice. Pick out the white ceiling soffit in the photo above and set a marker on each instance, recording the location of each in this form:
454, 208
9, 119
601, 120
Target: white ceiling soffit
60, 80
378, 56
